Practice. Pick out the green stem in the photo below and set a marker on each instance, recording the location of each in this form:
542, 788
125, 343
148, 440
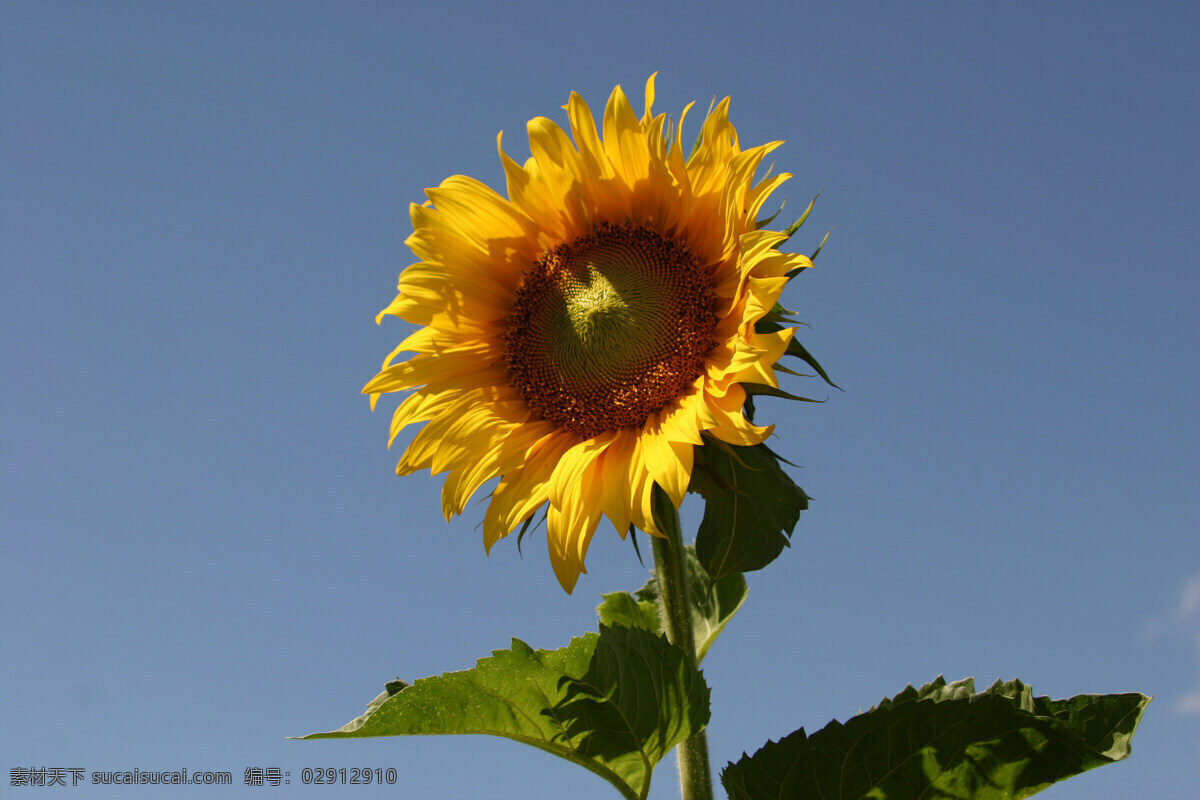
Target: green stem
670, 568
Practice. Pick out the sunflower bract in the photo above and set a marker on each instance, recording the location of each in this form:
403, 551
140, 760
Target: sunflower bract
581, 334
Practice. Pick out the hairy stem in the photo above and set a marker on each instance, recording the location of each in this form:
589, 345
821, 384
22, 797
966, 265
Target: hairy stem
670, 568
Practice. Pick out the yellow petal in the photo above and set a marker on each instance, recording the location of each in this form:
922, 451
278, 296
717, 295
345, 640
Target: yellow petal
734, 428
475, 210
649, 113
599, 177
570, 528
623, 140
523, 490
669, 463
530, 191
507, 452
615, 485
569, 471
560, 170
423, 369
772, 346
461, 255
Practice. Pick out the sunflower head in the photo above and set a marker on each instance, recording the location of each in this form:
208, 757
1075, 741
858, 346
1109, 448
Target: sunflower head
610, 328
578, 337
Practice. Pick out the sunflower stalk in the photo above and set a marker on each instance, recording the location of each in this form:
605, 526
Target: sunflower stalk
670, 570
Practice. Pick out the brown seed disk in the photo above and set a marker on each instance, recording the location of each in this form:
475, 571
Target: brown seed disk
609, 328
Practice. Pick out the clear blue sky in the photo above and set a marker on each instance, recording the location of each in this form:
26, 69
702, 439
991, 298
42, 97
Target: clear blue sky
203, 206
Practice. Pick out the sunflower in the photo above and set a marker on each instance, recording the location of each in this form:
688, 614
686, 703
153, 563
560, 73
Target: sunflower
579, 336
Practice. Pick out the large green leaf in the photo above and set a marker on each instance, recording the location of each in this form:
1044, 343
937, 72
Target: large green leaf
713, 604
614, 702
942, 742
751, 507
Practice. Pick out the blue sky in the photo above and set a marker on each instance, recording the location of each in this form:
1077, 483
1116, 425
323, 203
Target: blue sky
203, 206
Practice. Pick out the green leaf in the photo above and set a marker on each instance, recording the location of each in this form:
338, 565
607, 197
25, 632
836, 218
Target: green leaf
796, 349
756, 389
817, 252
759, 224
770, 324
944, 741
770, 321
700, 133
751, 507
713, 604
795, 226
622, 608
614, 702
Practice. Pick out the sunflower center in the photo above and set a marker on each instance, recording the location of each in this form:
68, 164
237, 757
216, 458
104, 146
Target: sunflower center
610, 328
